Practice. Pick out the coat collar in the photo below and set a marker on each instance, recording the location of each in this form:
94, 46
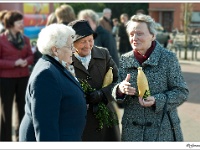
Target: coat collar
61, 68
96, 54
151, 61
77, 64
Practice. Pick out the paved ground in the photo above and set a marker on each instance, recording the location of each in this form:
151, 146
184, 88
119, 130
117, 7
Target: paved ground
189, 112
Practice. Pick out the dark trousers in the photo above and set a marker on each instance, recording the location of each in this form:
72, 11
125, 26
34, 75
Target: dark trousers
10, 87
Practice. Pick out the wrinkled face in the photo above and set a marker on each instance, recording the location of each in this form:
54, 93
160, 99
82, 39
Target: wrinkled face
65, 53
139, 36
18, 26
84, 45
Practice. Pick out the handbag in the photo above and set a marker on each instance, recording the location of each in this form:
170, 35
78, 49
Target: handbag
165, 112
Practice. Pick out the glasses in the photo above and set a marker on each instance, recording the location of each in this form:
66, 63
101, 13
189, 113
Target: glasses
69, 47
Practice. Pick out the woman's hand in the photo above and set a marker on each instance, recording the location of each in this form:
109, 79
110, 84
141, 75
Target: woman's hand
20, 62
148, 102
125, 87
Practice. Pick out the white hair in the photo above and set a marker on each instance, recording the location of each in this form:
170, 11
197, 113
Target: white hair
53, 35
89, 13
107, 10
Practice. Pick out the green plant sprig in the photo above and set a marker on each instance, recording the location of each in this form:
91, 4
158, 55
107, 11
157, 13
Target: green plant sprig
105, 116
86, 86
146, 94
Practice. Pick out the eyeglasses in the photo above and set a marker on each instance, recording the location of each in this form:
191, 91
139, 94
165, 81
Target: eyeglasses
70, 47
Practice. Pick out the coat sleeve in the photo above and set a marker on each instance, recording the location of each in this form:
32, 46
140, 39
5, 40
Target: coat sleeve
45, 105
177, 92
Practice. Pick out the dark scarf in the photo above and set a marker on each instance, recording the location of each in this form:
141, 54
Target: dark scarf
141, 58
18, 42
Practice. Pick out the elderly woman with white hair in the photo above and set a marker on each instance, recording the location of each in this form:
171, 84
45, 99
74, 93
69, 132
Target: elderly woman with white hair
55, 107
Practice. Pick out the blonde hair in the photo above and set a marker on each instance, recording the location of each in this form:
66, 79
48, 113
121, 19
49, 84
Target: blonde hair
65, 13
51, 19
143, 18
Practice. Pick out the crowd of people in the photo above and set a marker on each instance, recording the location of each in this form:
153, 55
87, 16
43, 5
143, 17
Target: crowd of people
69, 94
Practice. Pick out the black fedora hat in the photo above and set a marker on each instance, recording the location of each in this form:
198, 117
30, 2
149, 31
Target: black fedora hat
82, 29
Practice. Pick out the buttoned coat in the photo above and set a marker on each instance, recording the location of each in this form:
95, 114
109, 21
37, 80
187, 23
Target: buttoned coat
55, 107
166, 84
100, 62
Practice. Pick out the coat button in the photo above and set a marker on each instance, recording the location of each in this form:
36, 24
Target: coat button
88, 78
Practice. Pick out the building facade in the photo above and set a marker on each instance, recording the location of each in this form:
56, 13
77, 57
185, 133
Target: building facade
171, 15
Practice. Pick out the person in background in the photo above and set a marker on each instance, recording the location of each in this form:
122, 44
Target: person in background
104, 38
2, 14
124, 44
91, 63
65, 14
51, 19
55, 107
140, 11
15, 58
115, 29
105, 21
153, 117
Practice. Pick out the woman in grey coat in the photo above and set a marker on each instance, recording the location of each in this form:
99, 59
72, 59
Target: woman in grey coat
147, 119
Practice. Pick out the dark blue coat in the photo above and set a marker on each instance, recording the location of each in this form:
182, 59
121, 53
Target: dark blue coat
106, 39
55, 107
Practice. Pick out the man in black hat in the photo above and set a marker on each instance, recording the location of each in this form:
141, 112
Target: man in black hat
105, 38
82, 29
91, 64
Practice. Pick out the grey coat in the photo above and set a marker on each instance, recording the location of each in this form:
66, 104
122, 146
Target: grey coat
166, 84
